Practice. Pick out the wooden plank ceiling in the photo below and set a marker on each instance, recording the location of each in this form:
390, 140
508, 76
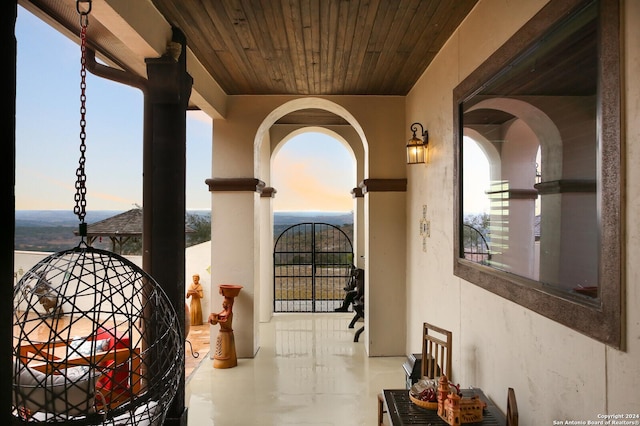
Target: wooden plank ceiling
297, 47
315, 47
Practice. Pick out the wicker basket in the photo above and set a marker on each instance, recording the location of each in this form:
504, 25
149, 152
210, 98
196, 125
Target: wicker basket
424, 404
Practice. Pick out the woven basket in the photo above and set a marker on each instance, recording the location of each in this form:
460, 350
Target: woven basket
424, 404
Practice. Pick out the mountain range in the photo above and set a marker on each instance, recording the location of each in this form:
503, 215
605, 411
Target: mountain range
53, 230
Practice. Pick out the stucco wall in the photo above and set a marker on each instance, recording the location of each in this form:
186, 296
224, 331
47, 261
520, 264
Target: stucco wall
379, 118
558, 374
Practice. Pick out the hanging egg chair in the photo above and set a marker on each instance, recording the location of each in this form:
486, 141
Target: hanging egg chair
95, 341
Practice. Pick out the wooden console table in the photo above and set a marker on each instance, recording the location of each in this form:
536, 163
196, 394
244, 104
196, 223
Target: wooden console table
402, 412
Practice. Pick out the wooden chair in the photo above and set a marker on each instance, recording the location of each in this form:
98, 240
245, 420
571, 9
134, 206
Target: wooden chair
436, 358
381, 410
512, 408
436, 351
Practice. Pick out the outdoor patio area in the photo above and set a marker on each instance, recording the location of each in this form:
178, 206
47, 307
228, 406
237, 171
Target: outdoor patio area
308, 371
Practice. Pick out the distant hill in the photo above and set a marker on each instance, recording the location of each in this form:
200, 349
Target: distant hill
284, 220
53, 230
48, 218
292, 218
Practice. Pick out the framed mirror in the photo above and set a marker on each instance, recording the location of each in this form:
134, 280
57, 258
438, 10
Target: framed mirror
538, 166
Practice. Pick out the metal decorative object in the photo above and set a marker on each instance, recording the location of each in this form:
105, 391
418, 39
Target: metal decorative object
114, 355
96, 341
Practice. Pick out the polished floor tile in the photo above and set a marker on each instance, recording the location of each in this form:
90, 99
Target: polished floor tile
308, 371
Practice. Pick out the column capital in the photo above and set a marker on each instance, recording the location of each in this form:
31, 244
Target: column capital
566, 185
383, 185
235, 184
268, 192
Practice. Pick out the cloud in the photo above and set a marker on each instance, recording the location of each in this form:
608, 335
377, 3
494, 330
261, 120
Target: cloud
309, 184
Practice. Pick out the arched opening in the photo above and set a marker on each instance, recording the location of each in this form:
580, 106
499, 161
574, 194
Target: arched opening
274, 141
313, 172
313, 221
517, 146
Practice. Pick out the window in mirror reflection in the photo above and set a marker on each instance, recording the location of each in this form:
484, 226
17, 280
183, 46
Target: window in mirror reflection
530, 163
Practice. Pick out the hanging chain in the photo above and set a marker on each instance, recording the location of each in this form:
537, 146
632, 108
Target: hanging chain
81, 189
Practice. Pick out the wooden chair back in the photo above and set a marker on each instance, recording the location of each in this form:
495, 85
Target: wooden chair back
512, 408
436, 351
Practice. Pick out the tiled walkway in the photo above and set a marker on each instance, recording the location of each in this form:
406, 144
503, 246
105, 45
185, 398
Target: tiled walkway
197, 348
308, 371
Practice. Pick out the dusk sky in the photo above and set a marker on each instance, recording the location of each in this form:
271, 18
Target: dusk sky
475, 164
48, 128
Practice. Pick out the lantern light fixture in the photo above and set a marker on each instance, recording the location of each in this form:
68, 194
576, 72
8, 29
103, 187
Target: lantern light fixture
417, 148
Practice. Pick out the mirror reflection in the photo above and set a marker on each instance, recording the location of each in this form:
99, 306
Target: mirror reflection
529, 159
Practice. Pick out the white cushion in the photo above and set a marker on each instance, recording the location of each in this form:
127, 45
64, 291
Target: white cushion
71, 393
146, 415
81, 346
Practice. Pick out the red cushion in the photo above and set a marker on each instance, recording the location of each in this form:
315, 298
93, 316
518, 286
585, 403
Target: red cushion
114, 381
117, 339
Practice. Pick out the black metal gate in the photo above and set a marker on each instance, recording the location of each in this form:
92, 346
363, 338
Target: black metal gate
311, 266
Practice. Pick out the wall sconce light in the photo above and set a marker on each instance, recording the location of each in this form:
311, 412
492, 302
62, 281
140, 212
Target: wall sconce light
417, 148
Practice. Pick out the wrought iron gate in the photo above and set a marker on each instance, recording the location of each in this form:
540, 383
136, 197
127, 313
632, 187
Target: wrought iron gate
311, 266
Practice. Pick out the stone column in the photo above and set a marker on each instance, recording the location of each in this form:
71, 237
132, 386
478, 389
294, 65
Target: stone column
266, 253
358, 227
164, 183
235, 257
385, 266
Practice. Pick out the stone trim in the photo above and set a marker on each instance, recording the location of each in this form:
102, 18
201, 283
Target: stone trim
566, 185
235, 184
268, 192
517, 194
383, 185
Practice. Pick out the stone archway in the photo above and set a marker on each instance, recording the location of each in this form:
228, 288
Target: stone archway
537, 132
540, 124
267, 142
242, 236
300, 104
